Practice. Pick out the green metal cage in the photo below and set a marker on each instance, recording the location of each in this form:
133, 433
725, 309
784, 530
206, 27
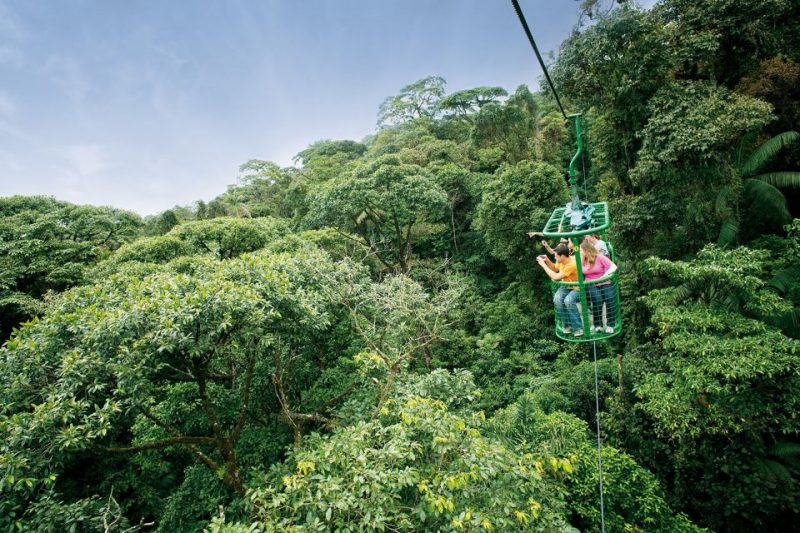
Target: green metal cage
592, 307
597, 307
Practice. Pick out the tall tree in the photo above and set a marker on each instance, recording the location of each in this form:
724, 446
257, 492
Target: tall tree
418, 99
46, 246
384, 203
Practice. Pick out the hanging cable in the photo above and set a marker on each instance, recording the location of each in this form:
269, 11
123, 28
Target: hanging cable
538, 55
583, 164
599, 443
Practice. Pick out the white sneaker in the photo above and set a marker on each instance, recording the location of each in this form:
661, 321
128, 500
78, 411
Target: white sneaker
579, 333
596, 329
609, 329
566, 331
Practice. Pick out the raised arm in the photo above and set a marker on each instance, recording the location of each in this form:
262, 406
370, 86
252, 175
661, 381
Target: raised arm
552, 274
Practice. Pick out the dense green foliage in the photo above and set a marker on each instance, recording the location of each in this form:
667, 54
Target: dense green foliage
362, 342
46, 246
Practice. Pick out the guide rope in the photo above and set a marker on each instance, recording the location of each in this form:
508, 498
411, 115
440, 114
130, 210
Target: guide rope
599, 443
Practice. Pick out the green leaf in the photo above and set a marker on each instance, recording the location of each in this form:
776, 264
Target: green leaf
781, 179
769, 199
729, 232
767, 151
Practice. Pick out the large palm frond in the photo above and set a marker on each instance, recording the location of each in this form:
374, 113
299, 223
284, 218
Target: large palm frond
729, 232
767, 151
789, 321
789, 452
725, 198
785, 279
782, 461
769, 199
781, 179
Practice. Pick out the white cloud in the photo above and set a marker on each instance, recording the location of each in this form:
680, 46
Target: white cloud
7, 106
67, 73
11, 56
86, 159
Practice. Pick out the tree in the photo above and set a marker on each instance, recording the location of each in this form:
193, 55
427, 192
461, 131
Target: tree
722, 387
519, 199
172, 360
685, 166
384, 202
418, 466
777, 81
219, 238
761, 191
511, 126
466, 102
261, 190
327, 148
45, 247
634, 499
226, 238
166, 221
742, 33
418, 99
611, 70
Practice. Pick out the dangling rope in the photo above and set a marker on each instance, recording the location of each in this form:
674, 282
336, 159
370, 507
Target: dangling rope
599, 443
538, 55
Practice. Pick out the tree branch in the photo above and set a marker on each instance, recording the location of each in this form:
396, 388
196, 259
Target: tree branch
248, 381
159, 444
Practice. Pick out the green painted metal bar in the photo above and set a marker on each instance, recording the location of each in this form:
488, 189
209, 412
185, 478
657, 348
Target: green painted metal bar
573, 182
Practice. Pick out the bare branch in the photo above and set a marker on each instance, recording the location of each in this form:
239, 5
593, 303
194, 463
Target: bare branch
248, 381
158, 444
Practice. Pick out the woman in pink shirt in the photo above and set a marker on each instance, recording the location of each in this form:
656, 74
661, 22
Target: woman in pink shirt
595, 266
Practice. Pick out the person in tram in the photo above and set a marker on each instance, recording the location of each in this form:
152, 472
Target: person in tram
599, 243
595, 265
566, 297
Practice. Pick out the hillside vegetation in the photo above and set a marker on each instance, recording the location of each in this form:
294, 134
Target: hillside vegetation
363, 341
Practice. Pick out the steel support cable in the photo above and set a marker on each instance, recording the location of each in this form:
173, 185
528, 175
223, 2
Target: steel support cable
538, 55
531, 40
599, 443
583, 164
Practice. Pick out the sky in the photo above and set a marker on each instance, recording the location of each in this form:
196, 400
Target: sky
148, 104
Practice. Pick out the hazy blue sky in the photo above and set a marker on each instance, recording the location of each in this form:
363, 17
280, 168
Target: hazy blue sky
147, 104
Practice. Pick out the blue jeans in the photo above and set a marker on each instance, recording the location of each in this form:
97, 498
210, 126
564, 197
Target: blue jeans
565, 301
599, 295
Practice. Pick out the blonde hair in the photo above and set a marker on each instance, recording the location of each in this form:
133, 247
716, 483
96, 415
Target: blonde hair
588, 253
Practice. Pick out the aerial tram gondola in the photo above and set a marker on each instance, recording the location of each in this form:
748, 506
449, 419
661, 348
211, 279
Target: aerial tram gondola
599, 319
574, 221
